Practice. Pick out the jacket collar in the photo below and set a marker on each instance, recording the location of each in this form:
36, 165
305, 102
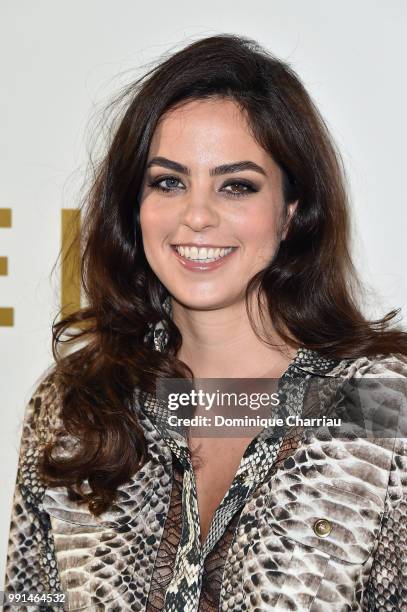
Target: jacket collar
315, 363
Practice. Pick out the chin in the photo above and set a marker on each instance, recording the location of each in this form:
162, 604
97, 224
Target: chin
204, 303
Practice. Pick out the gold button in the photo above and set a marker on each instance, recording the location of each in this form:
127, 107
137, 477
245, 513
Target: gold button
322, 528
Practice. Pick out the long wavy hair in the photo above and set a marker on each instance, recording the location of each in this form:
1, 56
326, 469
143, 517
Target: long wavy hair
311, 286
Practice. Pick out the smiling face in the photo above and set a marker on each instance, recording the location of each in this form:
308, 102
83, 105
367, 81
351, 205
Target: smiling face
196, 191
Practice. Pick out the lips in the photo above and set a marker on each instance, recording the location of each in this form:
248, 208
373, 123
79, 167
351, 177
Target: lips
202, 266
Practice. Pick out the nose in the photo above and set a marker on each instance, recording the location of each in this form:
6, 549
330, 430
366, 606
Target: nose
199, 211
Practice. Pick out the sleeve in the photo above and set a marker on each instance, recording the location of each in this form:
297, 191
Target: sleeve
31, 565
387, 587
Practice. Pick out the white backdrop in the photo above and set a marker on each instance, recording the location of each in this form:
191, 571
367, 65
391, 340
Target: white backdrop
61, 59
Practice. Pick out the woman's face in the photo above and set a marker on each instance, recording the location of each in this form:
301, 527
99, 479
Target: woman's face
209, 186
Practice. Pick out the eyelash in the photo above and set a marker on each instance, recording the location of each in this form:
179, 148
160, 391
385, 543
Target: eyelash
249, 187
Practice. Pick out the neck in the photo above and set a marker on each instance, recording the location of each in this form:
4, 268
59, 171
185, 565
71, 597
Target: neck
221, 343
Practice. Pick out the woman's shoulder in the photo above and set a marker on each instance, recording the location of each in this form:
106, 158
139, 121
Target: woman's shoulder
381, 384
386, 365
380, 379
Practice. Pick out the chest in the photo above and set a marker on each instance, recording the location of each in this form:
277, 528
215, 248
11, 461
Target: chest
215, 462
276, 529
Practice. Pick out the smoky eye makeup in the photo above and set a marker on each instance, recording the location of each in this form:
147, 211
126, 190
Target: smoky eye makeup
165, 183
239, 187
234, 187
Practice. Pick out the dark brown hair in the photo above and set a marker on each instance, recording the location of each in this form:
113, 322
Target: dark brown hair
311, 285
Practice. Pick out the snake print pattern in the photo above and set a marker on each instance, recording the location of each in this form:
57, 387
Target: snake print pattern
274, 558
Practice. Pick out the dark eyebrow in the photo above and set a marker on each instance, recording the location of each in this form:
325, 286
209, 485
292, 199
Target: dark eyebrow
224, 169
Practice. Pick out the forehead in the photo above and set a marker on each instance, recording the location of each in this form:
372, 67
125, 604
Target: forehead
211, 132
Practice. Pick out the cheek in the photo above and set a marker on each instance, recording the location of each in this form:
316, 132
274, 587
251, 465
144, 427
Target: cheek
148, 224
259, 229
152, 223
259, 235
157, 219
148, 218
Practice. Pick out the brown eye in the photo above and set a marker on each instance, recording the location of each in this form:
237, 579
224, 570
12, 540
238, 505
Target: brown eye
239, 188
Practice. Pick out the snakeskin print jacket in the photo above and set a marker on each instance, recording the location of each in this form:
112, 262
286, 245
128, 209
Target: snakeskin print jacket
323, 529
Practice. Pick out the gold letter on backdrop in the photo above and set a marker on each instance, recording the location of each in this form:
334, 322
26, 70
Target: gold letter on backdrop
6, 314
70, 263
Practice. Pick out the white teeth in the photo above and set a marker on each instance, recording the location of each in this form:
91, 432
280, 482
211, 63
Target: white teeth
202, 254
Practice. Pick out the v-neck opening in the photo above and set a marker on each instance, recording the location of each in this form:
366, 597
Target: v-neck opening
241, 486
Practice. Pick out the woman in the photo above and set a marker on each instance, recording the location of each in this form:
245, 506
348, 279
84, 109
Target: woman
216, 246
